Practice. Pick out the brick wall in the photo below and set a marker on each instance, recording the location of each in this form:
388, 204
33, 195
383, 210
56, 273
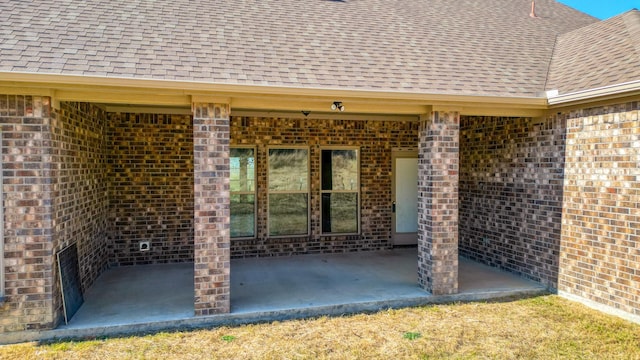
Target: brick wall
150, 188
511, 194
80, 203
600, 253
151, 183
375, 139
27, 193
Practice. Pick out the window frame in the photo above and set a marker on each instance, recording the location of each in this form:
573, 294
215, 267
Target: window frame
357, 192
269, 192
254, 192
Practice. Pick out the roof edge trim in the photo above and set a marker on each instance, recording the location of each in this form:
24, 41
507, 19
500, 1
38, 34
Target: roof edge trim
202, 88
605, 91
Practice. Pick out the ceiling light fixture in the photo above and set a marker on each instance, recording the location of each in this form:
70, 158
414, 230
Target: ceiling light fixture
337, 105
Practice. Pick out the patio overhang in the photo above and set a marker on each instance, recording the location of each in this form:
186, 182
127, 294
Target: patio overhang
177, 96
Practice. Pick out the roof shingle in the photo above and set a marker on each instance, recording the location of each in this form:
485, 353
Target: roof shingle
602, 54
488, 47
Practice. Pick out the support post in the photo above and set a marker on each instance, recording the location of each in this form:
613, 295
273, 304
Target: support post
438, 202
211, 208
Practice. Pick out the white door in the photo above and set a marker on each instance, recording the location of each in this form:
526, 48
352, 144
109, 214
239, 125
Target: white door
405, 197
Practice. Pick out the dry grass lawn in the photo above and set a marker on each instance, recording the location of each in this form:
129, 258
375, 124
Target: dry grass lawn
539, 328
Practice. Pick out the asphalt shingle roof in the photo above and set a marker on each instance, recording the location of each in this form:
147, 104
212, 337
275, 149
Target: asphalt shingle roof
602, 54
475, 47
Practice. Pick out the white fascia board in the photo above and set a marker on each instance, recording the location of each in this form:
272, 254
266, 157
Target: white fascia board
59, 81
618, 90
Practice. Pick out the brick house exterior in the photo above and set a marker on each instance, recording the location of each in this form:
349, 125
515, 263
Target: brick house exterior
546, 187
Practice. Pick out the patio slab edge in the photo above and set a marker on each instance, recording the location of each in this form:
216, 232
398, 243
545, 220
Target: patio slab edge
236, 319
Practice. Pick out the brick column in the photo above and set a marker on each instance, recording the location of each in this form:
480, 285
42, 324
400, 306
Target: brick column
211, 207
28, 179
438, 202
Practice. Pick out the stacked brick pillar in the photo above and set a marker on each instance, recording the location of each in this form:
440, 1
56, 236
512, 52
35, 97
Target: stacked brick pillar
27, 186
438, 202
211, 207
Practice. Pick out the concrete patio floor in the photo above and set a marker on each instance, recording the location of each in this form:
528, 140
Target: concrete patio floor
156, 297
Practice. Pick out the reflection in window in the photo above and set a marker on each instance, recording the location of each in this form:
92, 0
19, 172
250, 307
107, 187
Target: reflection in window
288, 214
242, 188
340, 190
288, 191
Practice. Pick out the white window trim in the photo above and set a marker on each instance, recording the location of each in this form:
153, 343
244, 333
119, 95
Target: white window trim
308, 191
358, 153
254, 192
